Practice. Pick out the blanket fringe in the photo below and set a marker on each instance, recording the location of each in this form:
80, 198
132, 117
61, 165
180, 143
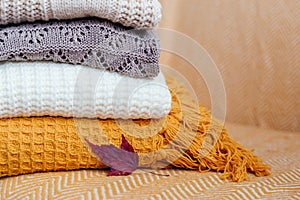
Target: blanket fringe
188, 138
198, 141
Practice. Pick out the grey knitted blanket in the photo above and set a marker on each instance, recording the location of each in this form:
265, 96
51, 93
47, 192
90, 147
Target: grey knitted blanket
95, 43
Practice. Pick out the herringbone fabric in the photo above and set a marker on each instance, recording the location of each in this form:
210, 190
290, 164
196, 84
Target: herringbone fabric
279, 149
255, 44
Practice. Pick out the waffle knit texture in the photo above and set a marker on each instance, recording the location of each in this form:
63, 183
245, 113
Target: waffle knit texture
90, 42
188, 138
46, 88
134, 13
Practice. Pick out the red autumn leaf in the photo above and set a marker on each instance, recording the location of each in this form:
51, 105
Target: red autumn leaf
122, 161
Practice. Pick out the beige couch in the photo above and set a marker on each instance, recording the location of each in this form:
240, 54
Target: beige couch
255, 45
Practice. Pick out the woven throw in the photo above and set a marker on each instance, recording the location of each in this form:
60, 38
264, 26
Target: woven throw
134, 13
46, 88
90, 42
187, 138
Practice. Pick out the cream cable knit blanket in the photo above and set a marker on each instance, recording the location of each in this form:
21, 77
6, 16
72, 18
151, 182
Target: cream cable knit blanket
90, 42
46, 88
134, 13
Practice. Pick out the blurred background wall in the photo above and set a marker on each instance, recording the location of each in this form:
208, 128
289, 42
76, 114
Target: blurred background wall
256, 46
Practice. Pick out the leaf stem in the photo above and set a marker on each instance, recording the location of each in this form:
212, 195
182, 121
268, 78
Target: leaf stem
166, 175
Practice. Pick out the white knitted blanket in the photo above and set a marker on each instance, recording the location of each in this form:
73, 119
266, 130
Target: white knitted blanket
52, 89
134, 13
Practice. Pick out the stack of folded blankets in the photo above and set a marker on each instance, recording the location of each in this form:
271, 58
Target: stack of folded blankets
66, 65
77, 70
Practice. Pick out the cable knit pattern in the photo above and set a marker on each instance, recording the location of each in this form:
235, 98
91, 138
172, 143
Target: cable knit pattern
134, 13
51, 89
90, 42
